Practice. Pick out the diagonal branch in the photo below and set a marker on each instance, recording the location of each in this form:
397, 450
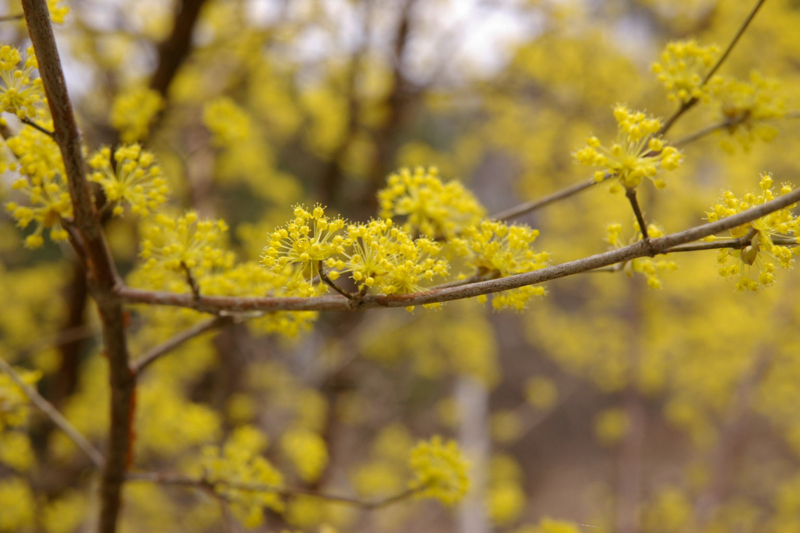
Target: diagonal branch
53, 414
662, 245
172, 343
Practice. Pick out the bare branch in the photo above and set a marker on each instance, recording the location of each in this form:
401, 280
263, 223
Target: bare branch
662, 245
102, 273
6, 18
631, 195
33, 124
171, 344
53, 414
527, 207
204, 484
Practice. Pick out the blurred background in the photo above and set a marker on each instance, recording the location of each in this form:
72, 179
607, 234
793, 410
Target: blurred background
608, 404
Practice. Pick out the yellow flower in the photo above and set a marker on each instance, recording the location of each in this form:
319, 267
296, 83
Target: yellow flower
226, 121
495, 249
432, 208
647, 266
135, 178
611, 425
19, 92
747, 106
440, 471
306, 241
683, 66
183, 244
762, 252
382, 257
239, 462
133, 111
637, 154
307, 451
14, 404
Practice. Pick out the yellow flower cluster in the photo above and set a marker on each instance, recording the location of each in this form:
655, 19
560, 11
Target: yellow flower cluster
19, 515
183, 244
228, 122
14, 404
637, 154
57, 12
432, 208
307, 452
133, 111
239, 462
440, 471
304, 243
683, 67
251, 279
19, 92
496, 249
505, 496
611, 425
135, 178
16, 450
39, 160
762, 252
385, 258
747, 106
647, 266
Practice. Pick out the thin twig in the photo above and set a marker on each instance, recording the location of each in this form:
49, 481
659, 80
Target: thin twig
686, 106
631, 195
53, 414
169, 345
330, 283
6, 18
527, 207
205, 484
191, 281
33, 124
661, 245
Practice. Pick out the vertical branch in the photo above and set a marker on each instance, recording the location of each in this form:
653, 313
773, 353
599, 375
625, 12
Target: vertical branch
102, 274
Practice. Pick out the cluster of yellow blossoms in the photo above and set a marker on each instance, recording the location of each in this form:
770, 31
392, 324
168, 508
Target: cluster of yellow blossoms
228, 122
440, 471
133, 111
638, 152
683, 67
432, 208
134, 178
39, 161
184, 244
748, 106
495, 249
647, 266
20, 93
769, 237
239, 464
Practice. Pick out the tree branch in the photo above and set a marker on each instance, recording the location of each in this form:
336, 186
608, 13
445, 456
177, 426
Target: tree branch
167, 346
205, 484
662, 245
102, 273
53, 414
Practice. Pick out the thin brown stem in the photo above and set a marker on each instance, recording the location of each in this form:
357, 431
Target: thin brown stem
52, 413
662, 245
205, 484
637, 210
174, 342
330, 283
33, 124
102, 273
195, 288
6, 18
527, 207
